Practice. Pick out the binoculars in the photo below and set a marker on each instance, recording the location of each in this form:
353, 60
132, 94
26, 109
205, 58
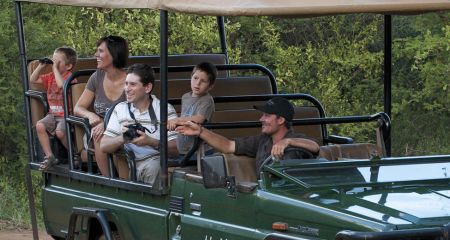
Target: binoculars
46, 61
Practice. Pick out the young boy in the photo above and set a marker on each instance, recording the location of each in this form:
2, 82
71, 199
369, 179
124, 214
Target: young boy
64, 59
196, 105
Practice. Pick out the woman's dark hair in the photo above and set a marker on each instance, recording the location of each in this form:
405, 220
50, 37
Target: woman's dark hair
118, 48
144, 71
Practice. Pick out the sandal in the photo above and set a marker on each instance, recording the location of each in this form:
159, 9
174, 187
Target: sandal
48, 162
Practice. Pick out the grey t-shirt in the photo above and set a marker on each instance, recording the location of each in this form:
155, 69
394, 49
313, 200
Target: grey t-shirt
101, 103
191, 106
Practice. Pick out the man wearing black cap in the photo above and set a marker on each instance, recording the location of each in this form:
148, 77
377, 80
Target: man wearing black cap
276, 134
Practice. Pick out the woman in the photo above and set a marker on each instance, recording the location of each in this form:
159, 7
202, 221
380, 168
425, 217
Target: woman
104, 88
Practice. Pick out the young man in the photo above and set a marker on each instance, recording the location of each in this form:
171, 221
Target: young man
63, 61
276, 134
196, 105
143, 108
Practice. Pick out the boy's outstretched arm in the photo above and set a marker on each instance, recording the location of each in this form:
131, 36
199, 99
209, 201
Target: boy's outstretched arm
172, 124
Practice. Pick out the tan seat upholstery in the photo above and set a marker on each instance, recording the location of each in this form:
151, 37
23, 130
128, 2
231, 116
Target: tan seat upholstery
311, 131
241, 167
77, 90
230, 86
350, 151
301, 112
37, 109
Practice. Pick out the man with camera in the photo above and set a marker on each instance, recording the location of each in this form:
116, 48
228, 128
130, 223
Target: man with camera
134, 125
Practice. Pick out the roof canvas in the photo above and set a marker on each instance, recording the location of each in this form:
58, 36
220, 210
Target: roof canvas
267, 7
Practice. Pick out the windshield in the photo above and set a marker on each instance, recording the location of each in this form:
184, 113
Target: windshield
355, 175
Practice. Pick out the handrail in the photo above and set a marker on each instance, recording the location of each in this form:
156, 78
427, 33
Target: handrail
381, 117
265, 97
261, 68
66, 89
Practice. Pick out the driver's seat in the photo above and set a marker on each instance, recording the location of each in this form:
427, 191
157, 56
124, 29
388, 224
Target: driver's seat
241, 167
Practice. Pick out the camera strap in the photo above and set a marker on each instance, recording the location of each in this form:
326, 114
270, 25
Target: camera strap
152, 114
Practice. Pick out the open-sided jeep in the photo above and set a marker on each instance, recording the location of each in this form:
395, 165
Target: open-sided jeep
351, 191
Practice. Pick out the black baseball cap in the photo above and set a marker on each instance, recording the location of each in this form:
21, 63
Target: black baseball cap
278, 106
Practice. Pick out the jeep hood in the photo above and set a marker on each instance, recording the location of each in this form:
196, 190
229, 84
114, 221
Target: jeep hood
405, 192
417, 206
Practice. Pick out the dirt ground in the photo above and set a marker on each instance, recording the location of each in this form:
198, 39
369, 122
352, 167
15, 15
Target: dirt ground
9, 231
22, 235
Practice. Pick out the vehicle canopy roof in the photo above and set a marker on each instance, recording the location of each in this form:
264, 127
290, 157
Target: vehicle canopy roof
298, 8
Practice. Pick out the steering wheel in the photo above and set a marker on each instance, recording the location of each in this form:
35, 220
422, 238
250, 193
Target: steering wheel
295, 152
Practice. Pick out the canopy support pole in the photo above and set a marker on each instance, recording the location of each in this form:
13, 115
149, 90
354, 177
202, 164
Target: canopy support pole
24, 75
223, 37
388, 74
163, 110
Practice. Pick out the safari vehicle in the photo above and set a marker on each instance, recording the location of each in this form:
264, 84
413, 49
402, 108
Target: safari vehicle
360, 196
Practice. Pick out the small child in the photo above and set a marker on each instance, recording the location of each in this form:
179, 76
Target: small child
196, 105
64, 59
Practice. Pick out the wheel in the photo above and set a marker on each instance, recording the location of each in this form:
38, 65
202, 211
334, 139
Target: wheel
289, 153
297, 153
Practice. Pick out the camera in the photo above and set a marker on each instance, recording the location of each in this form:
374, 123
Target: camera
46, 61
132, 133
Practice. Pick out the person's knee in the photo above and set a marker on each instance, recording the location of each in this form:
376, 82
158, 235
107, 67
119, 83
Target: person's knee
60, 134
40, 127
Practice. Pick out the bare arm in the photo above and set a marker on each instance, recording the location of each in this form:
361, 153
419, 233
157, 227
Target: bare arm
216, 141
278, 148
81, 108
35, 76
111, 144
58, 77
172, 124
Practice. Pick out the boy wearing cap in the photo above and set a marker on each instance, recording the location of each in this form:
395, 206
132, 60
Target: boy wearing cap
276, 134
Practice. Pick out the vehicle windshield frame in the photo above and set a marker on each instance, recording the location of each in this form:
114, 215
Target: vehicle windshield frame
283, 172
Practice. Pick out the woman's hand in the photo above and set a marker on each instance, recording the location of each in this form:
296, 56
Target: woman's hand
94, 119
97, 132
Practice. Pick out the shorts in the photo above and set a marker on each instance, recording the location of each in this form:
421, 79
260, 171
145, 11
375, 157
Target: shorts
53, 123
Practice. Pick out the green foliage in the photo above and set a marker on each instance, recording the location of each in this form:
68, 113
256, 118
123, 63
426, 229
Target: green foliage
337, 59
421, 86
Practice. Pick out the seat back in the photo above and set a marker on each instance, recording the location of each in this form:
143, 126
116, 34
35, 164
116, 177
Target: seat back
243, 168
312, 131
301, 112
76, 91
350, 151
38, 110
225, 86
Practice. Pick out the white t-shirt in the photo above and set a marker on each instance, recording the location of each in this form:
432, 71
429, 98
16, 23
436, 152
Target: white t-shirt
120, 117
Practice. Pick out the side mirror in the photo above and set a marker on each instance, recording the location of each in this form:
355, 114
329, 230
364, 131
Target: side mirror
214, 171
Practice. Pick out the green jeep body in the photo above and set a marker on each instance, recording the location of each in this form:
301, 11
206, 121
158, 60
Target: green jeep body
316, 200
